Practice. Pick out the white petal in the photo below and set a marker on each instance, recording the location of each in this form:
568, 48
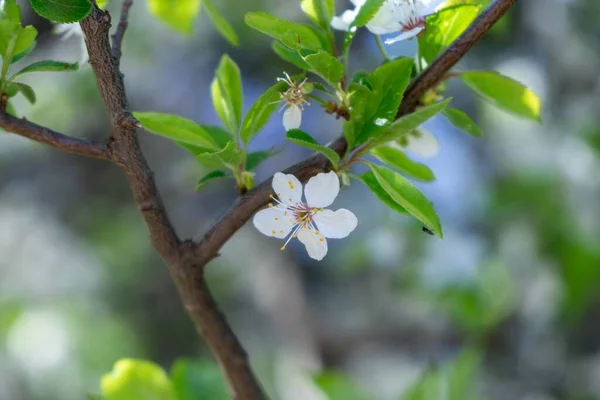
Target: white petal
424, 145
273, 222
288, 188
292, 117
335, 224
385, 20
343, 22
322, 189
427, 7
405, 35
316, 245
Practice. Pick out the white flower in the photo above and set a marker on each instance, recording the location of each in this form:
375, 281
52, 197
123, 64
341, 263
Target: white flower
294, 100
65, 31
307, 221
404, 16
421, 142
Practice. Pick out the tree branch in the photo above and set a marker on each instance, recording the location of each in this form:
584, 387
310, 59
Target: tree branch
241, 211
117, 37
47, 136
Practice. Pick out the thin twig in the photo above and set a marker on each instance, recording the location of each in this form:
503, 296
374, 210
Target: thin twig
47, 136
117, 37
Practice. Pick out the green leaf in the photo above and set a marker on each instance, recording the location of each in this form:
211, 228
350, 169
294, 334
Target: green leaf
25, 38
443, 28
408, 197
137, 380
367, 12
369, 180
290, 55
102, 4
219, 135
327, 67
211, 176
227, 96
260, 112
10, 10
18, 57
197, 380
47, 66
221, 23
255, 158
229, 157
291, 34
410, 122
395, 158
462, 121
177, 14
462, 375
319, 11
338, 387
303, 139
63, 11
388, 84
26, 90
504, 92
10, 109
176, 128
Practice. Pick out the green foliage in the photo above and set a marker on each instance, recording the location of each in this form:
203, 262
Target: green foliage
18, 57
408, 197
367, 11
47, 66
13, 88
291, 34
198, 379
370, 181
255, 158
229, 158
319, 11
210, 177
260, 112
395, 158
326, 66
290, 55
303, 139
63, 11
337, 386
220, 23
14, 39
227, 96
462, 121
504, 92
177, 14
137, 380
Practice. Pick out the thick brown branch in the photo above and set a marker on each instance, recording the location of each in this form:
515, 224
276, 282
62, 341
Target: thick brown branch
243, 209
117, 37
47, 136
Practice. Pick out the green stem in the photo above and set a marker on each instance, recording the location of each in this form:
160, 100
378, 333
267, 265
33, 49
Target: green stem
381, 47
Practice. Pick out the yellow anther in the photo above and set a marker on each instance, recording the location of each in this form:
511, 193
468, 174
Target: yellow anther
273, 232
276, 219
270, 204
280, 231
316, 232
315, 210
321, 240
271, 196
282, 248
294, 235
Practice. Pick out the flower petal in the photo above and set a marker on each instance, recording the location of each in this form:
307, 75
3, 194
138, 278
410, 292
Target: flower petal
424, 144
335, 224
316, 245
273, 222
292, 117
343, 22
288, 188
322, 189
405, 35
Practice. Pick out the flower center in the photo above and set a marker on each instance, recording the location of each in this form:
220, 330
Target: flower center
303, 215
413, 22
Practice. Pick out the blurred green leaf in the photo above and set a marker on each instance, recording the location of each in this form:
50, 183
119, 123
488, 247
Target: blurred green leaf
395, 158
227, 96
504, 92
290, 55
408, 197
18, 57
137, 380
260, 112
220, 23
195, 380
255, 158
25, 90
303, 139
291, 34
210, 177
177, 14
46, 66
63, 11
462, 121
319, 11
367, 12
9, 10
228, 158
337, 386
369, 180
176, 128
410, 122
327, 67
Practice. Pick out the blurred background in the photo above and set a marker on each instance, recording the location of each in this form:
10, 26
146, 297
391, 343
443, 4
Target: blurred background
513, 288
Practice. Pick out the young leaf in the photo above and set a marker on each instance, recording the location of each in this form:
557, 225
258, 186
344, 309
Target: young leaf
462, 121
26, 90
255, 158
211, 176
46, 66
303, 139
319, 11
19, 56
220, 23
136, 379
410, 122
291, 34
260, 112
227, 97
395, 158
290, 55
504, 92
367, 11
178, 15
408, 197
369, 180
10, 10
229, 158
327, 67
63, 11
176, 128
219, 135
